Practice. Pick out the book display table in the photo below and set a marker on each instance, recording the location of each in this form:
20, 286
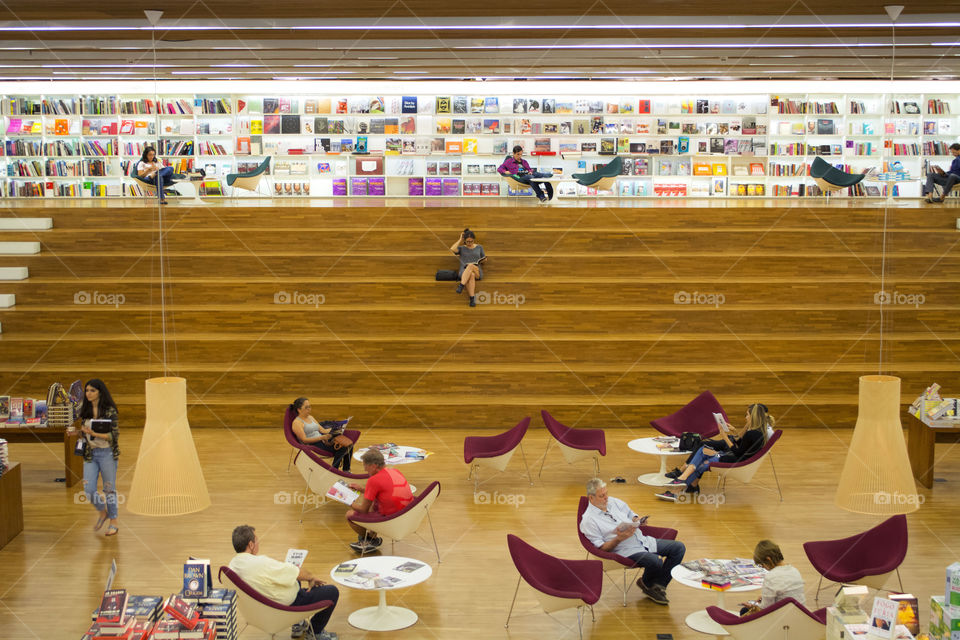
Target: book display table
381, 573
72, 465
397, 454
649, 447
922, 435
11, 504
701, 620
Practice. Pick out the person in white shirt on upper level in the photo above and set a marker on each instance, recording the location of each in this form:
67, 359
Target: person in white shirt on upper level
612, 526
781, 581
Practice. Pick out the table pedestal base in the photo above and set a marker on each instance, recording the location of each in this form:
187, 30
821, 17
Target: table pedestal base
702, 622
657, 479
382, 617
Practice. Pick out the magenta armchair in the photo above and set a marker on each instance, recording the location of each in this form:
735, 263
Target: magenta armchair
868, 558
558, 584
575, 444
612, 561
786, 619
262, 612
494, 451
320, 476
695, 417
288, 417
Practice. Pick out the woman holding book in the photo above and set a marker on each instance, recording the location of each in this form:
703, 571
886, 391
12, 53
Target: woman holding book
733, 447
309, 431
150, 170
781, 581
471, 257
100, 452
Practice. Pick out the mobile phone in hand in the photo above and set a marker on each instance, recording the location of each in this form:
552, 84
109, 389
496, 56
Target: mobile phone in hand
643, 519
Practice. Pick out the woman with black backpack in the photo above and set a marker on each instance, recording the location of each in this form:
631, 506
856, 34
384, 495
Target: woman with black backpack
735, 447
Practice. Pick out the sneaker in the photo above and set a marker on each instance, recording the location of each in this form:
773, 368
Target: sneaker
362, 546
297, 630
676, 482
673, 475
655, 593
543, 200
460, 288
327, 635
669, 496
692, 489
473, 301
376, 542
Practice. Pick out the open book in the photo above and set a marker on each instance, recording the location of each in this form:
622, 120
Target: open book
721, 422
342, 493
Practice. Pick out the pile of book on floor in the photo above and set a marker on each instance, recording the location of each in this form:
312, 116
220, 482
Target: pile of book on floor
218, 608
721, 575
123, 617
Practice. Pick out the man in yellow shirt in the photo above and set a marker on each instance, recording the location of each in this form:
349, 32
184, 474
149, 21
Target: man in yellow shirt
280, 581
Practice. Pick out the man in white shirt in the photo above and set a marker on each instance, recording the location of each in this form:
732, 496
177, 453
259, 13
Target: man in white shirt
611, 526
280, 581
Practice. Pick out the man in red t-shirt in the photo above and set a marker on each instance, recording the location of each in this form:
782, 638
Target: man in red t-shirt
387, 492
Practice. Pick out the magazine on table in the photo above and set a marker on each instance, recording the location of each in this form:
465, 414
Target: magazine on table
409, 567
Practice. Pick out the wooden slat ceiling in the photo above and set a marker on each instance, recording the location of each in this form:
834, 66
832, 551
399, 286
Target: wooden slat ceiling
423, 39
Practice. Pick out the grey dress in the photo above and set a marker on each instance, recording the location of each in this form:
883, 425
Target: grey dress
470, 256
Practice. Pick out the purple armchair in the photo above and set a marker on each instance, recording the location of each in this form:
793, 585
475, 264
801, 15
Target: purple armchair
696, 417
786, 619
494, 451
746, 469
399, 525
575, 444
867, 558
262, 612
558, 584
612, 561
288, 417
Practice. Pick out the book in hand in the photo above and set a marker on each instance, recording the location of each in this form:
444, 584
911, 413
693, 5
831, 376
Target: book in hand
342, 493
113, 605
721, 422
296, 557
182, 611
636, 524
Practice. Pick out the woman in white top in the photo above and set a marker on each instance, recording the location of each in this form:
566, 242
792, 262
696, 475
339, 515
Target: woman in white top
781, 581
150, 170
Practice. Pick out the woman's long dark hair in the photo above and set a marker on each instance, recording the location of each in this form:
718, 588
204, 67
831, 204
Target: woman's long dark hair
296, 404
146, 150
106, 400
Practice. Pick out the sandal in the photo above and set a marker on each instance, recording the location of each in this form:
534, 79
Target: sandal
111, 531
100, 522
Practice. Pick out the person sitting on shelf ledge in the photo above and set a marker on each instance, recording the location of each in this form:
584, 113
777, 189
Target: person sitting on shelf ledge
732, 448
945, 179
610, 525
471, 257
518, 169
387, 491
151, 171
321, 434
280, 581
781, 581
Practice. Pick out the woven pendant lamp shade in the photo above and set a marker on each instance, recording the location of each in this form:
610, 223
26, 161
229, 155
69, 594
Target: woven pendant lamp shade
168, 480
877, 478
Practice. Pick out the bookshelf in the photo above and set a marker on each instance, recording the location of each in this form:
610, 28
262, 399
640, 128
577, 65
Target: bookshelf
434, 139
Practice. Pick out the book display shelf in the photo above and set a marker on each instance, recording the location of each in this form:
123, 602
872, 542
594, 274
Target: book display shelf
436, 139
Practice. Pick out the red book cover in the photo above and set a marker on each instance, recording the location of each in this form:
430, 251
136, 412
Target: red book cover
112, 606
183, 611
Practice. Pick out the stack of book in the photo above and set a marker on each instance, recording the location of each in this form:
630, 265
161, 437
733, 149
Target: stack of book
124, 617
218, 608
726, 574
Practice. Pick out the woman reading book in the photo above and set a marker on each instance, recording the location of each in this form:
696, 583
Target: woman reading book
733, 447
781, 581
150, 170
471, 257
98, 414
322, 436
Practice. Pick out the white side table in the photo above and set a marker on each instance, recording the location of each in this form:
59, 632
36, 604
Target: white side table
383, 617
649, 447
399, 459
701, 620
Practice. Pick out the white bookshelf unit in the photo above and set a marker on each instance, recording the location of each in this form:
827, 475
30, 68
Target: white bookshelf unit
444, 139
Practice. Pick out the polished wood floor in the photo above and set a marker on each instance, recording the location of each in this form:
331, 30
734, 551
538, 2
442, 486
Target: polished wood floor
51, 575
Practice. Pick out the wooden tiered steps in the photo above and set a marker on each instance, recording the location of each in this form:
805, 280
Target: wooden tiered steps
587, 314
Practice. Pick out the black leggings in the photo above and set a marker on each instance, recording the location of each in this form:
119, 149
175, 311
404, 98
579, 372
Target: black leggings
341, 456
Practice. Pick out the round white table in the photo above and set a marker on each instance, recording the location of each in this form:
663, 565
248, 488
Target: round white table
401, 459
383, 617
649, 447
701, 620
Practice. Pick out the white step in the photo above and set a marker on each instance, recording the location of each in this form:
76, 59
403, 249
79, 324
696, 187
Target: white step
26, 224
13, 273
19, 248
7, 300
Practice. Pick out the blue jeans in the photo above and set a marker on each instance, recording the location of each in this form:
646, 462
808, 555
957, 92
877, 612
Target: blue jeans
656, 570
538, 187
164, 176
318, 594
701, 461
104, 466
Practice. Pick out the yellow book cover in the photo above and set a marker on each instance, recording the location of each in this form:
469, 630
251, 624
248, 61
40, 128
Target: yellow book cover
256, 127
443, 125
36, 127
323, 105
470, 145
719, 169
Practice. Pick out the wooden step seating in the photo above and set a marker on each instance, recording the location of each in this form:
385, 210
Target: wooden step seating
607, 317
25, 246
